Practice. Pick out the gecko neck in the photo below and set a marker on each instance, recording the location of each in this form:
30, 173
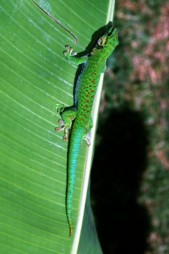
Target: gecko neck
100, 55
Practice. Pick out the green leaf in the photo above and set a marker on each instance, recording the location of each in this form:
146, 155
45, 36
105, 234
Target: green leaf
34, 77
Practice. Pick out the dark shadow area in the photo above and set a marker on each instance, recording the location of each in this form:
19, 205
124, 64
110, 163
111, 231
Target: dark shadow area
119, 163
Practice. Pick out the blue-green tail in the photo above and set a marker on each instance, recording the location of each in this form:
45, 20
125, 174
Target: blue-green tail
73, 154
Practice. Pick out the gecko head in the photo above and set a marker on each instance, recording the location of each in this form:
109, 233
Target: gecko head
109, 39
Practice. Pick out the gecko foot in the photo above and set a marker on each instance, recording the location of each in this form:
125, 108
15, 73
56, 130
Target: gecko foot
66, 134
87, 138
69, 51
65, 138
61, 126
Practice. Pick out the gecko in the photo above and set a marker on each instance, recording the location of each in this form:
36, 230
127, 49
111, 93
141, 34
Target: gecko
77, 121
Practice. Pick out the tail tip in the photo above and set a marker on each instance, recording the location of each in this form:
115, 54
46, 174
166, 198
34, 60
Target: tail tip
70, 231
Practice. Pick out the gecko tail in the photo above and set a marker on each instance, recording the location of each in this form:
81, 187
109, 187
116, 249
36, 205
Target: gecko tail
73, 154
69, 218
70, 231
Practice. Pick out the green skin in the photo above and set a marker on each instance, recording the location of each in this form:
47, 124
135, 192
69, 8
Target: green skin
88, 81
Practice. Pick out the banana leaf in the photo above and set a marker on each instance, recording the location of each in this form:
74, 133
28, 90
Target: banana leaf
34, 78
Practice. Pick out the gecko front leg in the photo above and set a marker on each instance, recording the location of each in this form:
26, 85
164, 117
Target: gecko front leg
87, 134
72, 57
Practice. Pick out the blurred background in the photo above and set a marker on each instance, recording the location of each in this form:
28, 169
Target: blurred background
130, 173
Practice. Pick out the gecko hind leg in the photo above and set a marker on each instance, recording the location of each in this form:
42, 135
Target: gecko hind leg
61, 125
66, 122
87, 134
87, 138
60, 108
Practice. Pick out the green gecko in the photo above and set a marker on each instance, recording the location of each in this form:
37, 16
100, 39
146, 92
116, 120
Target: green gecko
93, 65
